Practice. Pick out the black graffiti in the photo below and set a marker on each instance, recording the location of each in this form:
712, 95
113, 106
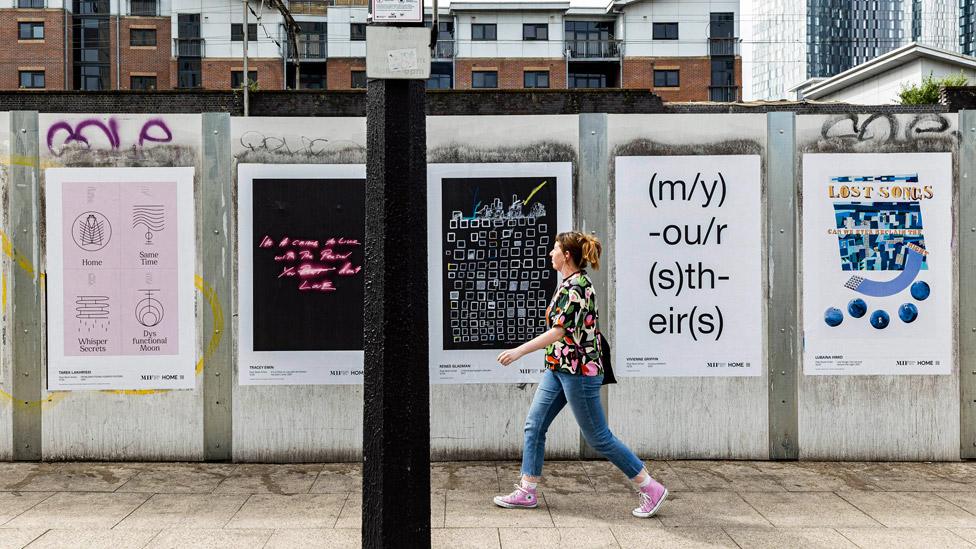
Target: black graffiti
884, 128
257, 141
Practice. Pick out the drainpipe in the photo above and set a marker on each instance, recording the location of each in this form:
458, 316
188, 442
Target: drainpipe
67, 46
118, 48
247, 81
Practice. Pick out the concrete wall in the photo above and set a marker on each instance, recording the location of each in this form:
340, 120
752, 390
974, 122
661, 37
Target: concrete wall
835, 417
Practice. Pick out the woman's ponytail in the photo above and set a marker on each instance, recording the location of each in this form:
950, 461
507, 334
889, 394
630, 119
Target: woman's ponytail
591, 250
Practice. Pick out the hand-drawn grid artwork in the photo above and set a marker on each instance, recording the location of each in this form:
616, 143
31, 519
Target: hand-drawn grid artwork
497, 278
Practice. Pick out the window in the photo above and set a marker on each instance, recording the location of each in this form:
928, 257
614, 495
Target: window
357, 31
441, 76
31, 79
237, 32
533, 31
143, 8
142, 37
188, 25
536, 79
30, 31
358, 80
484, 79
237, 78
484, 31
144, 83
188, 72
665, 31
721, 25
36, 4
723, 71
666, 79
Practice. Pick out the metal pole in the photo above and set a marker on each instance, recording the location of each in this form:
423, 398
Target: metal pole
396, 411
247, 81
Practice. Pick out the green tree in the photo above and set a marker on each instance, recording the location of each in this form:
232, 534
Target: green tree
927, 93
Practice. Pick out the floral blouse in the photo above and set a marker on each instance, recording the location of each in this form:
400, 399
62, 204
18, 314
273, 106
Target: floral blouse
574, 309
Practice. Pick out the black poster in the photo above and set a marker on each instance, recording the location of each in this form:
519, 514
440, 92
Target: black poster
497, 277
309, 236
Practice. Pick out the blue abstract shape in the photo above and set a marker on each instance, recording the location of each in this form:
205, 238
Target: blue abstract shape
857, 307
880, 319
833, 317
921, 290
908, 313
875, 288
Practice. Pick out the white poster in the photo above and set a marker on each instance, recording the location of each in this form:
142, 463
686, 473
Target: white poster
689, 266
877, 264
301, 239
120, 258
490, 230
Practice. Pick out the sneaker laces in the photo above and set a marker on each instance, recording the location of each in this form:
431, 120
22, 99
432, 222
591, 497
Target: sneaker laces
519, 488
645, 499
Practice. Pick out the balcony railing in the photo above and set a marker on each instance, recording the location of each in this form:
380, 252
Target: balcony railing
348, 2
308, 7
31, 4
309, 48
723, 46
188, 47
444, 49
594, 49
723, 94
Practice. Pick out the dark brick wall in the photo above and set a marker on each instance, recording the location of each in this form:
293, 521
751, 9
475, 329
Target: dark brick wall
446, 102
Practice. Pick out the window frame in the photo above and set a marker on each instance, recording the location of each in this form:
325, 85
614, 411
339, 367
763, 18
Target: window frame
31, 26
132, 79
32, 75
535, 75
148, 32
665, 73
234, 73
483, 27
354, 75
356, 36
665, 27
484, 73
535, 32
237, 32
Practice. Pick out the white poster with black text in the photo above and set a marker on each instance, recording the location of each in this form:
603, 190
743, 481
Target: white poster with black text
688, 266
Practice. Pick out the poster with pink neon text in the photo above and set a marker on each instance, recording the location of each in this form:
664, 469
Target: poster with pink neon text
120, 261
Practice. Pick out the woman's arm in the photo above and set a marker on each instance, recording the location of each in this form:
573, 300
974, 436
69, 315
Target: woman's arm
551, 336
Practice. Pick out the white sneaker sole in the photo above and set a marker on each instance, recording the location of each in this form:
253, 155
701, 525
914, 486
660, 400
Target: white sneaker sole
498, 501
650, 513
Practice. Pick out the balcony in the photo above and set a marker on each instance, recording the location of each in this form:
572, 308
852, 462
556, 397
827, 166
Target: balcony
343, 3
723, 94
594, 49
444, 49
308, 7
188, 47
144, 8
723, 46
30, 4
312, 48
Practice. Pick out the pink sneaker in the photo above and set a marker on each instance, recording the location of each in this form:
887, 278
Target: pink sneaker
651, 497
521, 498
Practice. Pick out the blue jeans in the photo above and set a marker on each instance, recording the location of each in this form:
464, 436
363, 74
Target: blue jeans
583, 395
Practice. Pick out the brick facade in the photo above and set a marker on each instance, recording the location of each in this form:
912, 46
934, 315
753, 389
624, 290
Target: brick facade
216, 72
47, 54
147, 60
510, 71
695, 76
338, 72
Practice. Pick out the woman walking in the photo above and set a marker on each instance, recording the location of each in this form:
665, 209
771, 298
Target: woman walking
574, 375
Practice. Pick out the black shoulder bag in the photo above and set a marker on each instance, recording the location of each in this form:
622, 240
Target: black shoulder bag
605, 355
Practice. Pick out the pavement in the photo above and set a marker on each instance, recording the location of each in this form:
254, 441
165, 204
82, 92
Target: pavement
748, 504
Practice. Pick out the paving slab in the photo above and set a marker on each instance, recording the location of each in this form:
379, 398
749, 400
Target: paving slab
339, 478
16, 538
913, 477
179, 478
557, 538
794, 538
904, 538
968, 534
560, 477
671, 538
185, 511
74, 510
270, 479
966, 500
351, 515
797, 509
315, 538
13, 473
180, 538
605, 477
465, 538
808, 476
93, 539
733, 476
719, 509
466, 509
910, 509
75, 477
15, 503
464, 475
598, 510
293, 511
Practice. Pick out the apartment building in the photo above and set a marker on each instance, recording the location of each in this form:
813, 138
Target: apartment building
683, 50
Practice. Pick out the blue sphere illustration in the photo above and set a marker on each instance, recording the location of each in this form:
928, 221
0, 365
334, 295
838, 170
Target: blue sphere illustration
880, 319
908, 312
833, 317
921, 290
857, 308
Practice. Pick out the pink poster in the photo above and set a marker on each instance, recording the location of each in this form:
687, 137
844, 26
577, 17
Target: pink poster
121, 268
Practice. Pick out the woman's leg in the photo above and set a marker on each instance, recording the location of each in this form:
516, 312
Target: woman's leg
548, 401
583, 394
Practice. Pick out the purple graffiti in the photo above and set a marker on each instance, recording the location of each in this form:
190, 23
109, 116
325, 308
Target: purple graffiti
76, 133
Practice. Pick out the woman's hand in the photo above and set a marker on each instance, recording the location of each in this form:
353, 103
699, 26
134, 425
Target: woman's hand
510, 356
